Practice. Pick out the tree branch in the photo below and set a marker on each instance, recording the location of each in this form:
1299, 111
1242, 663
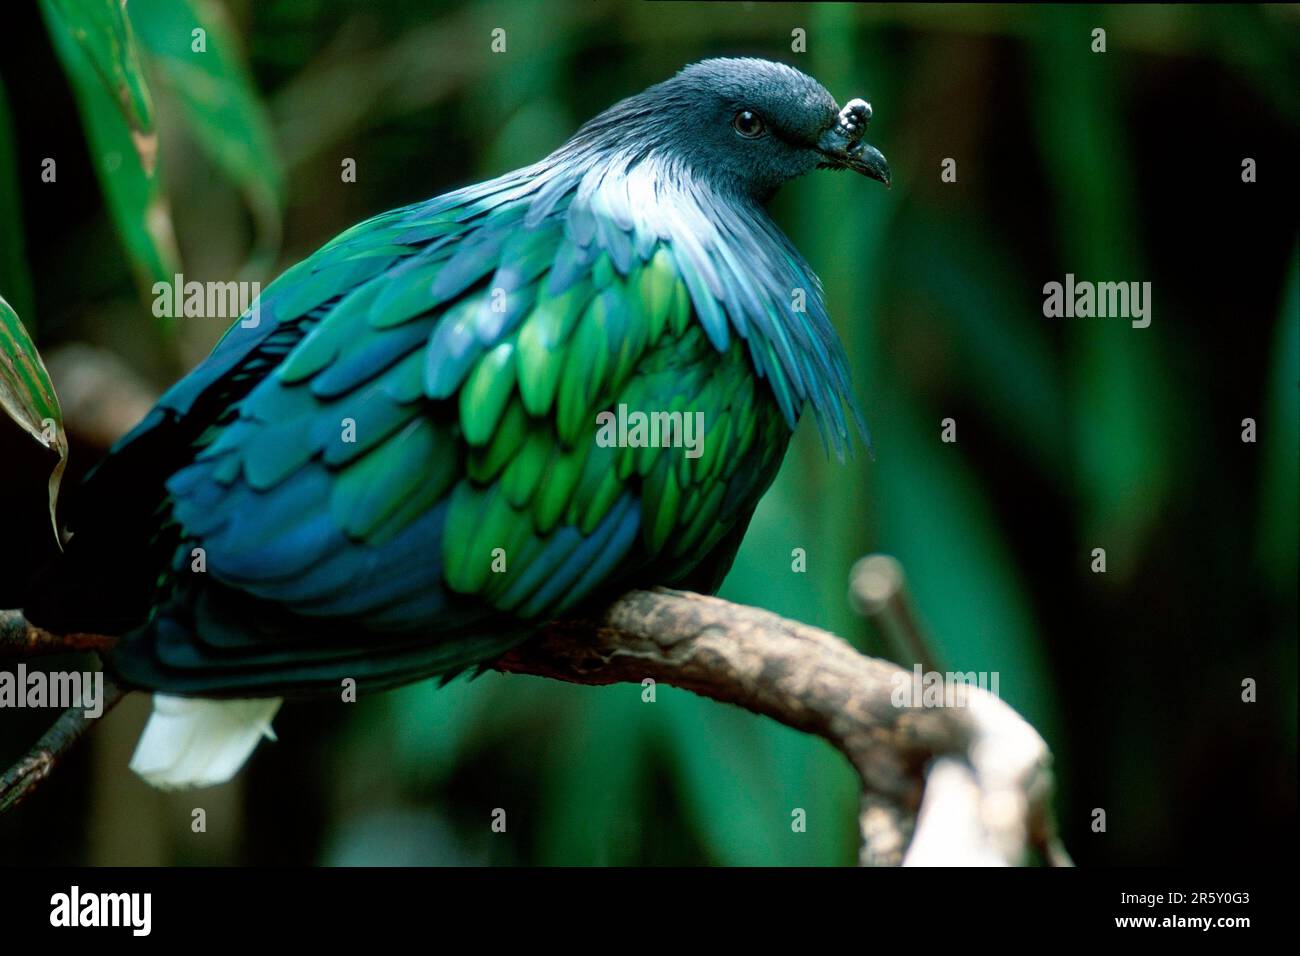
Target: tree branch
39, 762
21, 639
813, 681
967, 782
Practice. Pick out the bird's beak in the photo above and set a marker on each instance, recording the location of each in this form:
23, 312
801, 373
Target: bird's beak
843, 147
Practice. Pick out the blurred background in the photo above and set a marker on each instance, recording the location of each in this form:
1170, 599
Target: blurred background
1072, 434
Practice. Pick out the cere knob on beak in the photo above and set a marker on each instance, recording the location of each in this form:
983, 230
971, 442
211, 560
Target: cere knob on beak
854, 119
843, 147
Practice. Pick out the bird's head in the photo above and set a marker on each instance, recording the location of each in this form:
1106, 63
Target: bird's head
746, 123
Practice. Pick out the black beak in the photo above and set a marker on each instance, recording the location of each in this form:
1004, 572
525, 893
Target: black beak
843, 147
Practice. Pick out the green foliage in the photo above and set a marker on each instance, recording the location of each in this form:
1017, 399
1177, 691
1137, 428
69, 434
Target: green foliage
27, 395
101, 31
99, 53
1118, 386
108, 53
219, 104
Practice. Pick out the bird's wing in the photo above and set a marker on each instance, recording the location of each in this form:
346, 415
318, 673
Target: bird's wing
425, 458
102, 581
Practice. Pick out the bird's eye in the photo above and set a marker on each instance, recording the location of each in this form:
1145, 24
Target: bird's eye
747, 124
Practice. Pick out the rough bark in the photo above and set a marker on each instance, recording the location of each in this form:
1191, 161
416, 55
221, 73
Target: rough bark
967, 782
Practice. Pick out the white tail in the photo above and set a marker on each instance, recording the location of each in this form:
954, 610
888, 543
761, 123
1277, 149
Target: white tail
196, 742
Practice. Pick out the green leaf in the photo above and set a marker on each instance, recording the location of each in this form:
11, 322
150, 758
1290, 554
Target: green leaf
27, 395
219, 103
98, 54
960, 570
592, 791
101, 31
1000, 346
1120, 390
724, 776
743, 777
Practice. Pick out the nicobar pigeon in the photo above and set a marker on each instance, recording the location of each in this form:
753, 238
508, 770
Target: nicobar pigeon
469, 343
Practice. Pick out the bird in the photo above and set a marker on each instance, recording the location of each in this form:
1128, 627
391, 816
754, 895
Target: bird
388, 471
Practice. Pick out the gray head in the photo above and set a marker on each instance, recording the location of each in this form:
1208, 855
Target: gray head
745, 124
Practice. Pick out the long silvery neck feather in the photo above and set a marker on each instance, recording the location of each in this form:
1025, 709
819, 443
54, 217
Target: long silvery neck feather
626, 195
